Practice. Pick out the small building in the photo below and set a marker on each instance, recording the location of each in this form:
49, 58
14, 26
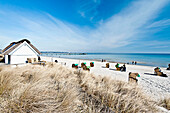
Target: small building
18, 52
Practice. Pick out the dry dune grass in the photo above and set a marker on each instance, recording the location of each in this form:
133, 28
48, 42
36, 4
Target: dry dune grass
54, 88
165, 103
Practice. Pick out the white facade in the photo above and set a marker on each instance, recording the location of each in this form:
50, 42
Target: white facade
6, 59
20, 54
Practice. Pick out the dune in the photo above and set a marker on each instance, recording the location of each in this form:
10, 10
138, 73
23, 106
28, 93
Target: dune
155, 86
55, 88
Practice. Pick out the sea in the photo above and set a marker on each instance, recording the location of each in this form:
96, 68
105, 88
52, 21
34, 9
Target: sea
146, 59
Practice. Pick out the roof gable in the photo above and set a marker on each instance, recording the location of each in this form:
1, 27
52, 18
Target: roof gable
23, 49
10, 48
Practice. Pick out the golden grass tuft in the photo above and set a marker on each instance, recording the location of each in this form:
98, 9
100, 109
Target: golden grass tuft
165, 103
54, 88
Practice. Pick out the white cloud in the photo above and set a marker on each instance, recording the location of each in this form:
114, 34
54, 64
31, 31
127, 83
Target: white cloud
45, 31
82, 14
88, 8
153, 44
161, 23
160, 47
50, 33
126, 25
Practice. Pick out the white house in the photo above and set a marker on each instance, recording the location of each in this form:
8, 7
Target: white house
18, 52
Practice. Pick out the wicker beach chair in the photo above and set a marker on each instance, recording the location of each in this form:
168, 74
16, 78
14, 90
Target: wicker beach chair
159, 73
75, 66
83, 64
86, 68
117, 67
157, 69
91, 64
29, 60
107, 65
56, 61
35, 59
132, 77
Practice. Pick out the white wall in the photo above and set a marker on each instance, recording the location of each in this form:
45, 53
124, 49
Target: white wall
6, 59
21, 59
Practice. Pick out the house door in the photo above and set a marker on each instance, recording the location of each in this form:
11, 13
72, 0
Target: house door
9, 59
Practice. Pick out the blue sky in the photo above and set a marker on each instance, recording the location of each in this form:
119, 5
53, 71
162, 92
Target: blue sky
88, 25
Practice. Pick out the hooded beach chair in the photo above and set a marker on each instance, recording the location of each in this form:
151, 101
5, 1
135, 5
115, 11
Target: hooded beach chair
107, 65
132, 77
91, 64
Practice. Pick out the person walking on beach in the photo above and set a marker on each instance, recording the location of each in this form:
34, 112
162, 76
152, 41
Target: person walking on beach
132, 62
39, 59
124, 67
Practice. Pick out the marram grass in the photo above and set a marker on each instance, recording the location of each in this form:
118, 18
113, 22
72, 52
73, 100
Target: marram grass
53, 88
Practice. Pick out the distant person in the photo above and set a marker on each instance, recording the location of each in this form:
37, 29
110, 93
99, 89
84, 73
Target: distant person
39, 59
168, 67
132, 62
135, 62
102, 60
123, 68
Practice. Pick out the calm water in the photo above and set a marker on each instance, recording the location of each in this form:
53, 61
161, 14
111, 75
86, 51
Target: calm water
149, 59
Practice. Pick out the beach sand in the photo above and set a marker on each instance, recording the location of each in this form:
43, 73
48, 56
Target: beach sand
155, 86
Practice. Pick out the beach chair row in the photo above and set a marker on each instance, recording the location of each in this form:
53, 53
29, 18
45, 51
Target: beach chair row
35, 61
118, 68
83, 66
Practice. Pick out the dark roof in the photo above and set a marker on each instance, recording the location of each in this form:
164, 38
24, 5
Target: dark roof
14, 45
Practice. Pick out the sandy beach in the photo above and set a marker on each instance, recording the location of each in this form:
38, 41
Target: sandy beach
155, 86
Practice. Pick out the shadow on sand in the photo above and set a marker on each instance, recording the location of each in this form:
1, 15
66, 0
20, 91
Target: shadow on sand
164, 75
104, 67
112, 69
116, 70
